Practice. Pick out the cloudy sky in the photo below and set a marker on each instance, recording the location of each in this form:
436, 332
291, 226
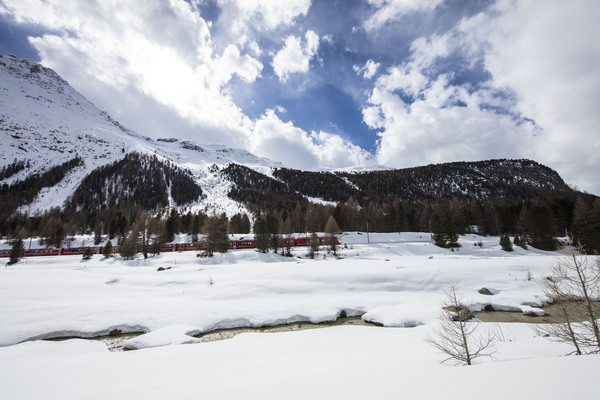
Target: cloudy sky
336, 83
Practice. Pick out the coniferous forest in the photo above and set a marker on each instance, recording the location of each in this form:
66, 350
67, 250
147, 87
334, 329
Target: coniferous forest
520, 198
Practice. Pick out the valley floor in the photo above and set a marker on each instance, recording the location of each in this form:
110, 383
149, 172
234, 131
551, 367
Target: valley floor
396, 280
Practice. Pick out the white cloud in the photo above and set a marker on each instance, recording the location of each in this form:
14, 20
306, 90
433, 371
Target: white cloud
368, 70
265, 14
106, 47
327, 39
433, 129
548, 54
282, 141
391, 10
538, 73
295, 57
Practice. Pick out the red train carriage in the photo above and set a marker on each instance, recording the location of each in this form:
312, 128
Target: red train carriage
241, 244
74, 251
328, 240
189, 247
42, 252
233, 244
167, 248
305, 241
287, 242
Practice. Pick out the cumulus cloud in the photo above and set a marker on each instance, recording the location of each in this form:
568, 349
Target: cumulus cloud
282, 141
368, 70
264, 14
538, 102
295, 56
119, 47
423, 117
445, 123
548, 54
391, 10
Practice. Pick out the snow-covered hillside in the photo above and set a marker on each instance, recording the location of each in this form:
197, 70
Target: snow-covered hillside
46, 122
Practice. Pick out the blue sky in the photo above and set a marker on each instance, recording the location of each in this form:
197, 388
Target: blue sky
336, 84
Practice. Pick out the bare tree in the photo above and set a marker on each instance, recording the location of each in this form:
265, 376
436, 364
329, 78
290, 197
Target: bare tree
215, 229
575, 287
456, 336
332, 230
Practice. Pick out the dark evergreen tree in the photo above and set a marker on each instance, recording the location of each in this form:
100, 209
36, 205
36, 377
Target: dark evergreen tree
172, 225
88, 253
108, 249
273, 230
520, 241
16, 252
505, 242
438, 233
586, 223
541, 227
261, 235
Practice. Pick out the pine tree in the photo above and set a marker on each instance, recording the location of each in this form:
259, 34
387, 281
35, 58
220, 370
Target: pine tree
436, 227
172, 225
273, 229
586, 223
541, 227
17, 251
261, 235
108, 249
88, 253
505, 242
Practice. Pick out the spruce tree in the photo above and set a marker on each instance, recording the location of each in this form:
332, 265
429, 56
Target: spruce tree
436, 227
88, 253
108, 249
261, 235
505, 242
17, 251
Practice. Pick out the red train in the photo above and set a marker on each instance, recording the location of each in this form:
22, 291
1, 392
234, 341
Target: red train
233, 244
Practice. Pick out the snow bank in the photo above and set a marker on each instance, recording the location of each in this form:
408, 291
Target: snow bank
341, 362
397, 280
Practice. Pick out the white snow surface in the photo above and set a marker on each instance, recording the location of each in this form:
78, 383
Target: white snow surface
396, 279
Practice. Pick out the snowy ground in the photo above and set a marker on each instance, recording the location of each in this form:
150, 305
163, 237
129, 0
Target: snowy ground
396, 279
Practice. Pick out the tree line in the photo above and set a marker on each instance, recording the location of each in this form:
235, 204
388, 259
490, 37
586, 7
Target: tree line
111, 198
537, 222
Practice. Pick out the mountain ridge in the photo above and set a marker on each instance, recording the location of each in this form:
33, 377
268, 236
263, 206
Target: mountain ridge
47, 123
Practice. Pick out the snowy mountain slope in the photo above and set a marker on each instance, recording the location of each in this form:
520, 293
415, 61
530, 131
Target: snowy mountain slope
45, 122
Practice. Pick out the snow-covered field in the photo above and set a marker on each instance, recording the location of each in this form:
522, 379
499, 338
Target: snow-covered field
396, 280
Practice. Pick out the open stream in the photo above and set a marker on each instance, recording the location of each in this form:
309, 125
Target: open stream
553, 314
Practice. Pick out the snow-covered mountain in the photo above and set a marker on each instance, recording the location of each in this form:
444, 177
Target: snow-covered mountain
45, 122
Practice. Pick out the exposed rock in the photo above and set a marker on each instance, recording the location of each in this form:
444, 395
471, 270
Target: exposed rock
486, 291
461, 313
